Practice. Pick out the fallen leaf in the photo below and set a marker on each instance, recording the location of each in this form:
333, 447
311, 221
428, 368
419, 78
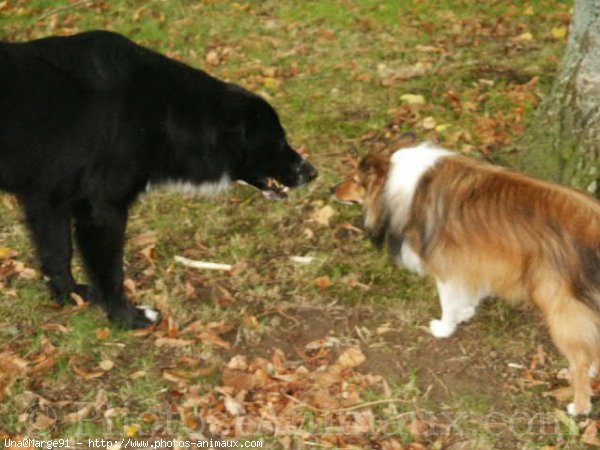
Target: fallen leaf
138, 374
323, 215
78, 299
87, 374
233, 407
271, 83
102, 333
173, 377
80, 414
413, 99
129, 286
43, 421
323, 282
523, 37
429, 123
559, 32
238, 362
101, 400
240, 380
350, 358
5, 253
172, 342
212, 339
149, 253
55, 327
144, 239
590, 434
106, 365
322, 399
132, 430
212, 58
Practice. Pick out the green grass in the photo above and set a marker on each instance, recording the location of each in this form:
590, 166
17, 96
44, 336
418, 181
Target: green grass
328, 67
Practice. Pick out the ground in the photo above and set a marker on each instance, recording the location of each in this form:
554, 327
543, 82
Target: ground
340, 341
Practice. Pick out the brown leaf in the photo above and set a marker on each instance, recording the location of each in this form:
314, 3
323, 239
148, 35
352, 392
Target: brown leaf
102, 333
351, 357
212, 58
169, 375
42, 364
239, 380
144, 239
172, 342
138, 374
220, 327
590, 434
323, 282
149, 253
212, 339
233, 407
78, 299
43, 422
106, 365
55, 327
323, 215
85, 373
101, 400
238, 362
322, 399
196, 326
129, 287
80, 414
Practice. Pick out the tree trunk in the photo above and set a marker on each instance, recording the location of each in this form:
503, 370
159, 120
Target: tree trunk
563, 142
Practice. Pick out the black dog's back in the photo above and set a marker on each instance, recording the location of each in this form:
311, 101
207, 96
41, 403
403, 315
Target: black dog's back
88, 97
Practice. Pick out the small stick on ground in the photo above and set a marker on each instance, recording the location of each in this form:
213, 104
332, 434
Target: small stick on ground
202, 264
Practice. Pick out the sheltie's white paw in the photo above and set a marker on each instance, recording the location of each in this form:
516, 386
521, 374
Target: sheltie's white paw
441, 329
573, 411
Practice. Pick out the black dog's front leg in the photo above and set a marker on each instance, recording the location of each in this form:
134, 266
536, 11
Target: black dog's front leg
100, 234
50, 227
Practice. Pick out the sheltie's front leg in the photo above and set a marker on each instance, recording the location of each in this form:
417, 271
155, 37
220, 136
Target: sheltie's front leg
458, 302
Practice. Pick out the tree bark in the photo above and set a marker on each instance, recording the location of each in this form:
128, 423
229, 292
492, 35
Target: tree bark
563, 142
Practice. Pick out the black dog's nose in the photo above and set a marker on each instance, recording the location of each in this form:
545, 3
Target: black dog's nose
307, 172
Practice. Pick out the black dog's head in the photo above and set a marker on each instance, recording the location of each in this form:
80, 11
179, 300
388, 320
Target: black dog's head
265, 160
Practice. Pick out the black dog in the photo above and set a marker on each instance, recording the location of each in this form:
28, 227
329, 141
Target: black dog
88, 122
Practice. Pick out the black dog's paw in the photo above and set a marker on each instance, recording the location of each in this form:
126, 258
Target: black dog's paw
84, 291
64, 298
131, 317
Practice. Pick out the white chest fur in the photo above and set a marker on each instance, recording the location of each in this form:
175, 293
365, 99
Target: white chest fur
192, 189
407, 167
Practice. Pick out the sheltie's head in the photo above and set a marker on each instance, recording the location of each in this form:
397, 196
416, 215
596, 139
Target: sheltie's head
365, 187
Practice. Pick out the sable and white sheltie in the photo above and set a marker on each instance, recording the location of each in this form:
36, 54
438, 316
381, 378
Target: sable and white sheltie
481, 230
